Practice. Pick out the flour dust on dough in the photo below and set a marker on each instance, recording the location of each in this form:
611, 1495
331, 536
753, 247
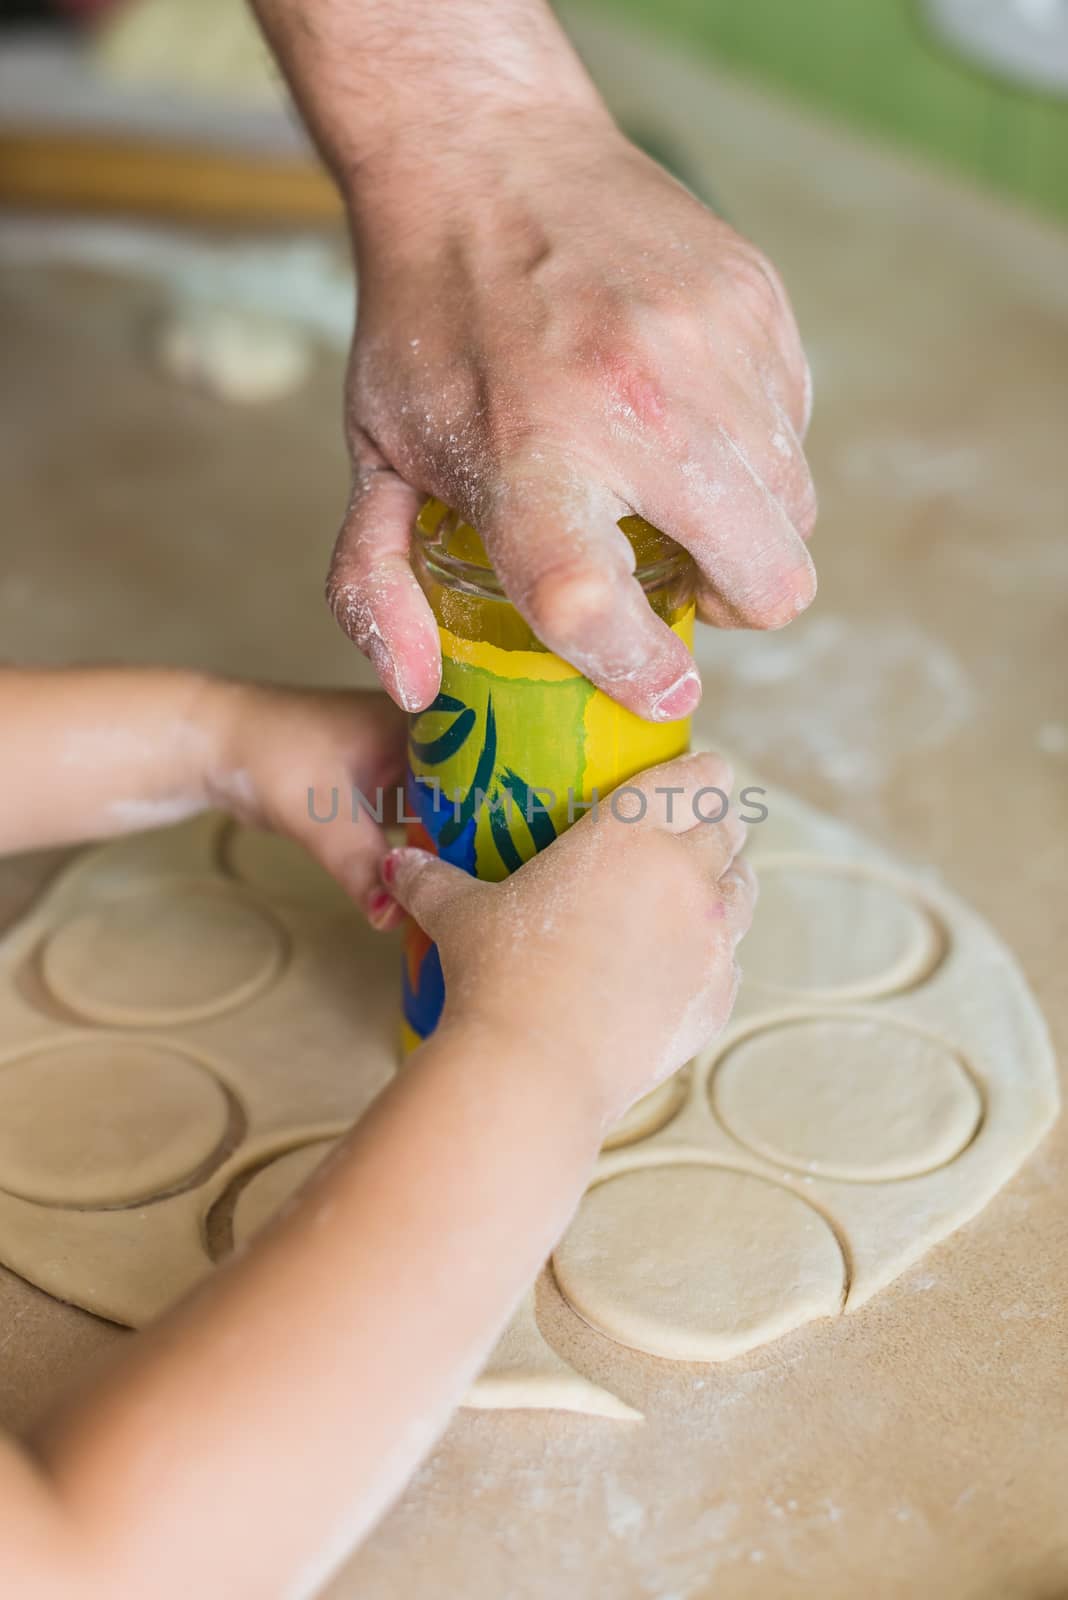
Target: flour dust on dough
190, 1018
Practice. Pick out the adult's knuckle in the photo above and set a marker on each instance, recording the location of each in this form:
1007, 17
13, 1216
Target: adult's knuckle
756, 289
674, 319
571, 597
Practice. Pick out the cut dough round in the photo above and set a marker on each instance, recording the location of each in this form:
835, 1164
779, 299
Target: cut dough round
847, 1097
167, 955
872, 941
273, 1185
282, 869
651, 1113
106, 1122
697, 1262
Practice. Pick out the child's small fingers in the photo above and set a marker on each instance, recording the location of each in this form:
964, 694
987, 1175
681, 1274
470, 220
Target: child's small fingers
383, 912
357, 871
737, 894
424, 885
677, 796
719, 842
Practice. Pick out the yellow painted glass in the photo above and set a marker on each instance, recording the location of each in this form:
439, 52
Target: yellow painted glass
518, 742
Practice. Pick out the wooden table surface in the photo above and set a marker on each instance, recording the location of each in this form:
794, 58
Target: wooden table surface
914, 1448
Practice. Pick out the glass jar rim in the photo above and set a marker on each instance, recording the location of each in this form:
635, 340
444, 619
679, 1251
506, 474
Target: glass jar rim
478, 578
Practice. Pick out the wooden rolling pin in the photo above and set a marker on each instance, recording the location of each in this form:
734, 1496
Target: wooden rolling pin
110, 173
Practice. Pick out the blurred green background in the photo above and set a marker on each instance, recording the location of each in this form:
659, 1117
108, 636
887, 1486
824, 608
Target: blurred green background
875, 64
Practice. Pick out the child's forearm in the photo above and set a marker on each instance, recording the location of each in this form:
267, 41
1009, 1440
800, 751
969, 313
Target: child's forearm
95, 752
281, 1409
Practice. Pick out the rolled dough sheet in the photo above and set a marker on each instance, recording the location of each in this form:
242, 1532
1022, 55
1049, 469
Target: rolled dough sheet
885, 1072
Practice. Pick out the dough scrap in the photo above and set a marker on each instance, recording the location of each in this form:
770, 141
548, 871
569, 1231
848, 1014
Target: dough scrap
105, 1121
698, 1263
267, 1192
168, 955
855, 1098
525, 1371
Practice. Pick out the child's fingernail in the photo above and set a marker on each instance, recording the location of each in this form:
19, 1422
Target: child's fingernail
380, 907
388, 868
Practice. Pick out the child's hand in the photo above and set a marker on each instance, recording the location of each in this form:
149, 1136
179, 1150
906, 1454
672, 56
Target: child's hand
270, 746
610, 955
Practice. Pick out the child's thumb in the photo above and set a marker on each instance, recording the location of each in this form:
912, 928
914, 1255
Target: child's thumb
424, 884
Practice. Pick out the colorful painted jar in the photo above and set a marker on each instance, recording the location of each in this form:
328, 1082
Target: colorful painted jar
518, 743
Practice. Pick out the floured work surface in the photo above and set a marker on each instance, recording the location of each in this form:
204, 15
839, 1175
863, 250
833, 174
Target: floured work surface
915, 1446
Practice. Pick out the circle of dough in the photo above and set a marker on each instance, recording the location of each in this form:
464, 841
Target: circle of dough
106, 1122
166, 955
695, 1262
833, 934
651, 1113
281, 869
273, 1185
857, 1098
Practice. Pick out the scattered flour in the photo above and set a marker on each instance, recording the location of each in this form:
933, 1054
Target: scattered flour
626, 1514
846, 701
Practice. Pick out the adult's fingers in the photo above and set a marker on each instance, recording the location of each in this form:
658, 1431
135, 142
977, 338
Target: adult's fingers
789, 377
754, 568
781, 461
373, 592
551, 532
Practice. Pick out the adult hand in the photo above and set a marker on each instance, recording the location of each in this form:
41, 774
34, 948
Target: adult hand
552, 332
